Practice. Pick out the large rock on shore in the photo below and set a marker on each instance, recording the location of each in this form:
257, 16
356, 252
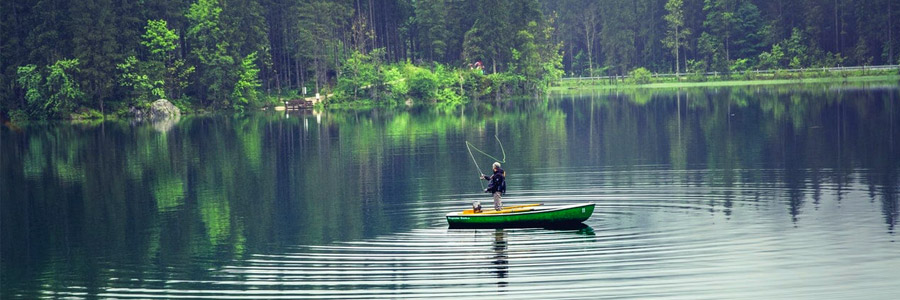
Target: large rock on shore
162, 114
163, 109
159, 110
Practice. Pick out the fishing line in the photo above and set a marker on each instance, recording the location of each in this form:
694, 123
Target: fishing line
469, 147
502, 161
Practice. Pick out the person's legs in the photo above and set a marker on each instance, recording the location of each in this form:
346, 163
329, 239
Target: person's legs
498, 205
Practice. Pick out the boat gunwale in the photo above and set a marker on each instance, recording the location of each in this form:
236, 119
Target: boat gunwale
534, 211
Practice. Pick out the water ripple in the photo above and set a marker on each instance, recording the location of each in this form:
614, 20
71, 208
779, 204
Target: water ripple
676, 238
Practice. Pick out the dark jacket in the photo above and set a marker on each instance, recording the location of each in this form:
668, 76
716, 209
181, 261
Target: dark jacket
497, 182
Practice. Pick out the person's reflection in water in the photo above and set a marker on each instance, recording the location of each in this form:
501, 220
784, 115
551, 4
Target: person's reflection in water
501, 262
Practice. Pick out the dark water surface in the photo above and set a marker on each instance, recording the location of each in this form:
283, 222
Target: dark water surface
762, 192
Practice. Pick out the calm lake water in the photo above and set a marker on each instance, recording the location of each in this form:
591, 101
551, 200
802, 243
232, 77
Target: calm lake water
720, 193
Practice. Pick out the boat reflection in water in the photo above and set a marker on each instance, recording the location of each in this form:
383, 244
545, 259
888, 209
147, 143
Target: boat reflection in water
499, 259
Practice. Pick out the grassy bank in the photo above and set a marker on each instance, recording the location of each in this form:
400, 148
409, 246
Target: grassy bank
725, 80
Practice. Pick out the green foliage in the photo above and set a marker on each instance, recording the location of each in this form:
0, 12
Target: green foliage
473, 42
552, 71
87, 114
396, 83
502, 84
360, 72
525, 58
711, 47
210, 50
772, 59
697, 68
178, 77
860, 54
159, 39
741, 69
246, 89
677, 32
474, 83
159, 75
318, 25
430, 21
54, 94
62, 87
449, 96
739, 65
640, 76
144, 88
580, 65
796, 51
30, 79
423, 83
833, 59
307, 43
719, 28
18, 116
749, 31
782, 74
617, 34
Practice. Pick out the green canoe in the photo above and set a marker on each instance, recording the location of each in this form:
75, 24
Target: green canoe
529, 215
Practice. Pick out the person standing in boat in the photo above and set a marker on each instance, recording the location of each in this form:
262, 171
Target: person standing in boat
497, 185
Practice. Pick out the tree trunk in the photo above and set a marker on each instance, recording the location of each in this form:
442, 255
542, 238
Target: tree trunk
727, 57
372, 21
837, 45
297, 75
318, 76
302, 79
589, 43
676, 53
494, 64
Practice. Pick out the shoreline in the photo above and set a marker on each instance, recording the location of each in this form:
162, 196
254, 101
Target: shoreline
723, 83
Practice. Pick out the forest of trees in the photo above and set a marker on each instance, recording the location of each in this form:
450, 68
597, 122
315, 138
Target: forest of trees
60, 56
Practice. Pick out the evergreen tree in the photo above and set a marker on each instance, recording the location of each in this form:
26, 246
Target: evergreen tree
749, 29
432, 29
617, 36
320, 23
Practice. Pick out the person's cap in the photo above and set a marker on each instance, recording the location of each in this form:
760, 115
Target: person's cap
496, 165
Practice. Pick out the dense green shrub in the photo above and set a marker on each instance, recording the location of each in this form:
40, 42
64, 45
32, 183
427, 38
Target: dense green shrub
364, 79
422, 83
397, 85
639, 76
